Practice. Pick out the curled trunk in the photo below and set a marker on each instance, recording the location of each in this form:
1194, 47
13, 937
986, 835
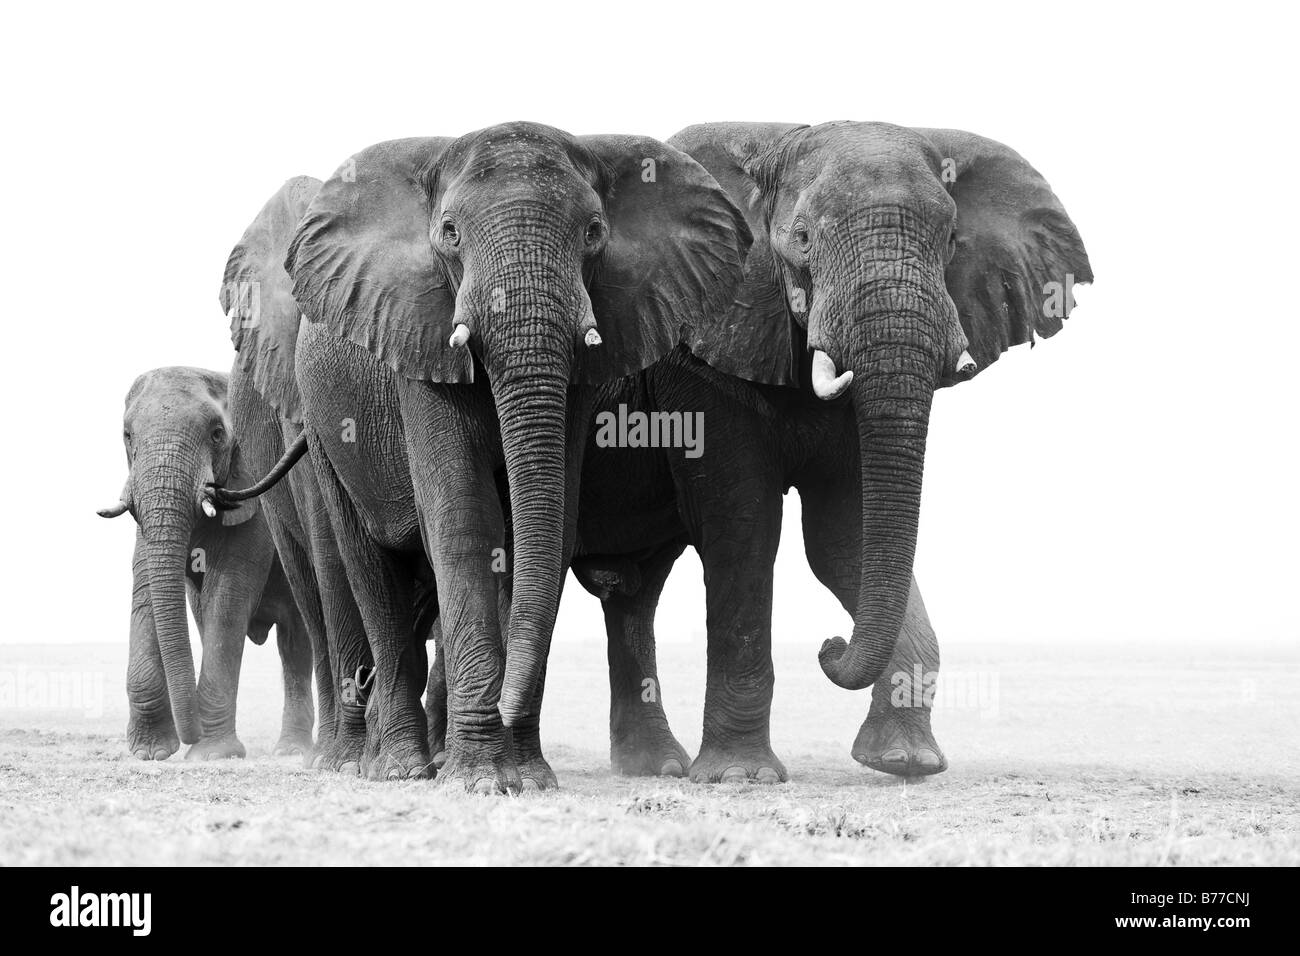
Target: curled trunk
892, 396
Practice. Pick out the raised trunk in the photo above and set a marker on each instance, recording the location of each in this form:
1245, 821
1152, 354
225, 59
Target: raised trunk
894, 386
166, 511
532, 410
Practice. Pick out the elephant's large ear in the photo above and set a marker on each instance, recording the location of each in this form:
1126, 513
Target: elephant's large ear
362, 263
257, 296
755, 339
675, 254
1018, 254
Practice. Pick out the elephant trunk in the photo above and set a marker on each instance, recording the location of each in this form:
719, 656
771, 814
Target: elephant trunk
532, 410
165, 504
893, 389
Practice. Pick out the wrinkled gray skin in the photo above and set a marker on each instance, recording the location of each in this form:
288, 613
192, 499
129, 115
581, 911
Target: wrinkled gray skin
266, 406
893, 251
179, 439
464, 295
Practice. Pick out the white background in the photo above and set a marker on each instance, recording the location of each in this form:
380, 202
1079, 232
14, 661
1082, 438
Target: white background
1133, 479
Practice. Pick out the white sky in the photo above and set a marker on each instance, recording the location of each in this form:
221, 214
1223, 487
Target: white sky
1133, 479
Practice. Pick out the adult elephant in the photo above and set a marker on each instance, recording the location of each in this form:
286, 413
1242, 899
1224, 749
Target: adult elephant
887, 262
267, 411
179, 438
466, 295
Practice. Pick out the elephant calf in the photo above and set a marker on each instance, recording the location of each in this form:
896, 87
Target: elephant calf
178, 440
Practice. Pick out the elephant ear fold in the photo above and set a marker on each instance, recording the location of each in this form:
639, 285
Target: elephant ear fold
238, 477
1018, 254
756, 338
257, 297
675, 254
363, 266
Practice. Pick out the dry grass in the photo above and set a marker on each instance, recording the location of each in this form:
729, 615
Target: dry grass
1181, 757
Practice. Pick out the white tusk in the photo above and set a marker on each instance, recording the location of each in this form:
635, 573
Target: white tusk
592, 338
112, 512
208, 508
460, 336
966, 365
826, 384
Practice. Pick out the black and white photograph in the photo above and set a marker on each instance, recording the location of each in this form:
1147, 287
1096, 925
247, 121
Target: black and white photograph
651, 434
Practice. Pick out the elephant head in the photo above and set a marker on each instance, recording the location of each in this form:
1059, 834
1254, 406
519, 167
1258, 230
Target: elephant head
903, 260
542, 260
178, 440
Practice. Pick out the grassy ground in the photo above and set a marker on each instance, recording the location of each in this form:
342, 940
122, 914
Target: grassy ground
1058, 756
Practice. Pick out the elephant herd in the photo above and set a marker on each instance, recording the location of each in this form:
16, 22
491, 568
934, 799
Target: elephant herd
406, 450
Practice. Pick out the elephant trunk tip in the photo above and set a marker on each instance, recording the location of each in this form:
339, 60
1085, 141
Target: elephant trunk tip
837, 663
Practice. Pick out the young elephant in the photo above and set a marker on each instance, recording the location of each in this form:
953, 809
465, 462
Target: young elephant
887, 262
178, 438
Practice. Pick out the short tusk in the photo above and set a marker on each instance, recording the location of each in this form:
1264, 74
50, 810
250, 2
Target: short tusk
209, 508
966, 366
113, 511
592, 338
460, 336
826, 384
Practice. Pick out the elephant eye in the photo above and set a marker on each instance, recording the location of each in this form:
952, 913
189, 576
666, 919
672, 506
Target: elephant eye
595, 230
450, 235
801, 238
218, 435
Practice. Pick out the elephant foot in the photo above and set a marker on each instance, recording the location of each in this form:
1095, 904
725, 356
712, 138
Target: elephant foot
341, 754
484, 773
152, 742
647, 751
294, 743
737, 764
898, 740
535, 774
399, 760
225, 747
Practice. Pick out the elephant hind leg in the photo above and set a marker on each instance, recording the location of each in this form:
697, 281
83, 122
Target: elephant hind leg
299, 715
640, 741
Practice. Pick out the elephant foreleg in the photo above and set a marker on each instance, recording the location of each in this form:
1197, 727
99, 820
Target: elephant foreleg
733, 513
640, 740
896, 736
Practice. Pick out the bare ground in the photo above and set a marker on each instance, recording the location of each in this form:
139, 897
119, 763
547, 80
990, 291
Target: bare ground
1058, 756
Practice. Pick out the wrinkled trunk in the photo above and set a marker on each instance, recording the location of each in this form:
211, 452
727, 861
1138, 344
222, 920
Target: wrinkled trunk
165, 506
892, 391
532, 413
